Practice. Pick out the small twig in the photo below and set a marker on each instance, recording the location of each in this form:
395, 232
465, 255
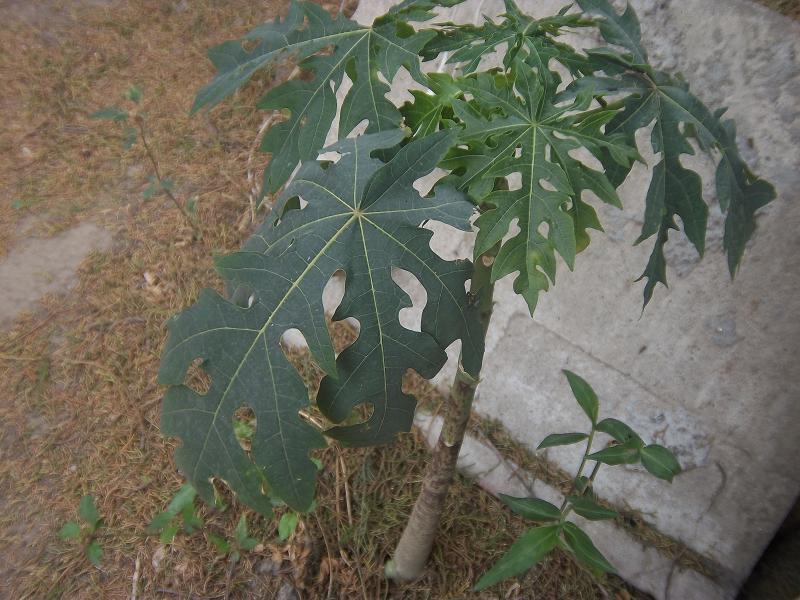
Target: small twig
140, 123
345, 476
330, 557
228, 577
19, 337
135, 585
4, 356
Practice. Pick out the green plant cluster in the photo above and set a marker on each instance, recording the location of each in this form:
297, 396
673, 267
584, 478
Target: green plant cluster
553, 529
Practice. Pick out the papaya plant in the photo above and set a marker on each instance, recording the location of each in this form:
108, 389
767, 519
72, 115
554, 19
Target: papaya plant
501, 131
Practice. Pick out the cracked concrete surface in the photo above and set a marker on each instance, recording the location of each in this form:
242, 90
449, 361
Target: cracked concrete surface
709, 368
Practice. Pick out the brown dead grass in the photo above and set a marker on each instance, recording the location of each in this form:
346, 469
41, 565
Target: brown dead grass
790, 8
80, 410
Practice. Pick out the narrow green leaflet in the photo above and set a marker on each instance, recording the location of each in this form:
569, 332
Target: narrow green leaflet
589, 509
618, 430
561, 439
362, 217
585, 551
534, 509
516, 128
326, 49
660, 462
531, 547
584, 394
618, 454
657, 97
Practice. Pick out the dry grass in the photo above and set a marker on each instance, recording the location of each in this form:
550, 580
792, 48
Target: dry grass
80, 412
790, 8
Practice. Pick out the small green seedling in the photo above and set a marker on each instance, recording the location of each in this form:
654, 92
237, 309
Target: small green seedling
72, 530
241, 542
180, 514
130, 135
553, 530
287, 525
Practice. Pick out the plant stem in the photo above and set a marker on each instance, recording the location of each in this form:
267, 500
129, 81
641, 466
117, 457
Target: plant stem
566, 507
140, 123
586, 454
416, 543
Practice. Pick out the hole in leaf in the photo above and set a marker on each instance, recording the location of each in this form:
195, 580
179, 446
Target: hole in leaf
326, 159
241, 294
514, 182
244, 427
411, 316
197, 379
442, 241
582, 155
294, 203
334, 292
344, 333
513, 230
293, 339
359, 414
546, 185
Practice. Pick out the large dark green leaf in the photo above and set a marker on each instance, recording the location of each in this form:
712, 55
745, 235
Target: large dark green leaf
531, 547
362, 217
515, 127
652, 96
326, 49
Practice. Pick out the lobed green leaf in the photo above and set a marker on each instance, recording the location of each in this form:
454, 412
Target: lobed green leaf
363, 218
651, 96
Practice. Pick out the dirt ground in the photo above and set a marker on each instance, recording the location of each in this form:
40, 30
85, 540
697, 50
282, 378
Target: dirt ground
79, 403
